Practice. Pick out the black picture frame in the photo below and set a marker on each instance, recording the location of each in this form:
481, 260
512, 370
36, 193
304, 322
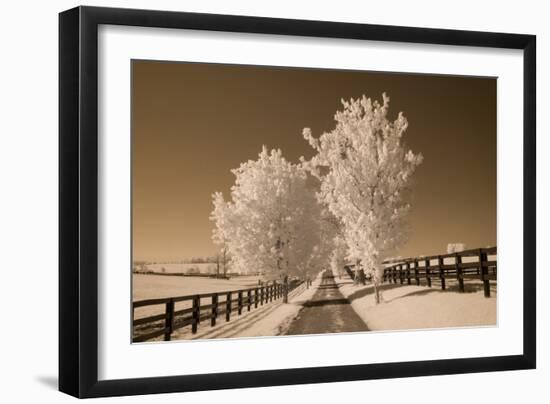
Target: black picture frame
78, 201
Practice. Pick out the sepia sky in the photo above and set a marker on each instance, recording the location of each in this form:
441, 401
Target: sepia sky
193, 123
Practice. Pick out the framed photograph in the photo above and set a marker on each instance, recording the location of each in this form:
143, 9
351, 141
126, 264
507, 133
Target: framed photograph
251, 201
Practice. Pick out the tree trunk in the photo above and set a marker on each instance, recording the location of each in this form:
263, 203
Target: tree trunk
359, 275
376, 283
285, 289
376, 292
224, 262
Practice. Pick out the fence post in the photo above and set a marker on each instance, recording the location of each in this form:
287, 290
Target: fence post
240, 302
484, 273
196, 314
256, 298
428, 273
441, 271
285, 290
228, 307
261, 295
394, 274
214, 309
270, 293
408, 272
169, 320
249, 295
416, 272
401, 274
459, 274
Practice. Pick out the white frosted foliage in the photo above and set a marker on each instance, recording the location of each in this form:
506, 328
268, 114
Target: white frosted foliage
455, 247
272, 222
365, 173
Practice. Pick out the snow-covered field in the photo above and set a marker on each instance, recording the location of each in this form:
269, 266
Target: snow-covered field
268, 320
202, 267
415, 307
159, 286
154, 286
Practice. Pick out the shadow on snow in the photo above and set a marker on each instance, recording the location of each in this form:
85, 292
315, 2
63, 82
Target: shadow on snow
451, 288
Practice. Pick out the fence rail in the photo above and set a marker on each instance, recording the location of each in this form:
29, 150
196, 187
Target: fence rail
196, 311
418, 269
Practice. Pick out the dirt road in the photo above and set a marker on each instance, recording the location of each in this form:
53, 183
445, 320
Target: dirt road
327, 312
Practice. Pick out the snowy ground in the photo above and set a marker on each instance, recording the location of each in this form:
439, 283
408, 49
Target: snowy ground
269, 320
202, 267
414, 307
159, 286
156, 286
404, 306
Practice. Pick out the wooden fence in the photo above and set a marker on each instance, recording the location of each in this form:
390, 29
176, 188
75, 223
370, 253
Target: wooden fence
470, 264
195, 311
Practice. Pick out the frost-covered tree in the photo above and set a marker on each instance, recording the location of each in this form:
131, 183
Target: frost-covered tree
455, 247
365, 173
272, 222
222, 260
